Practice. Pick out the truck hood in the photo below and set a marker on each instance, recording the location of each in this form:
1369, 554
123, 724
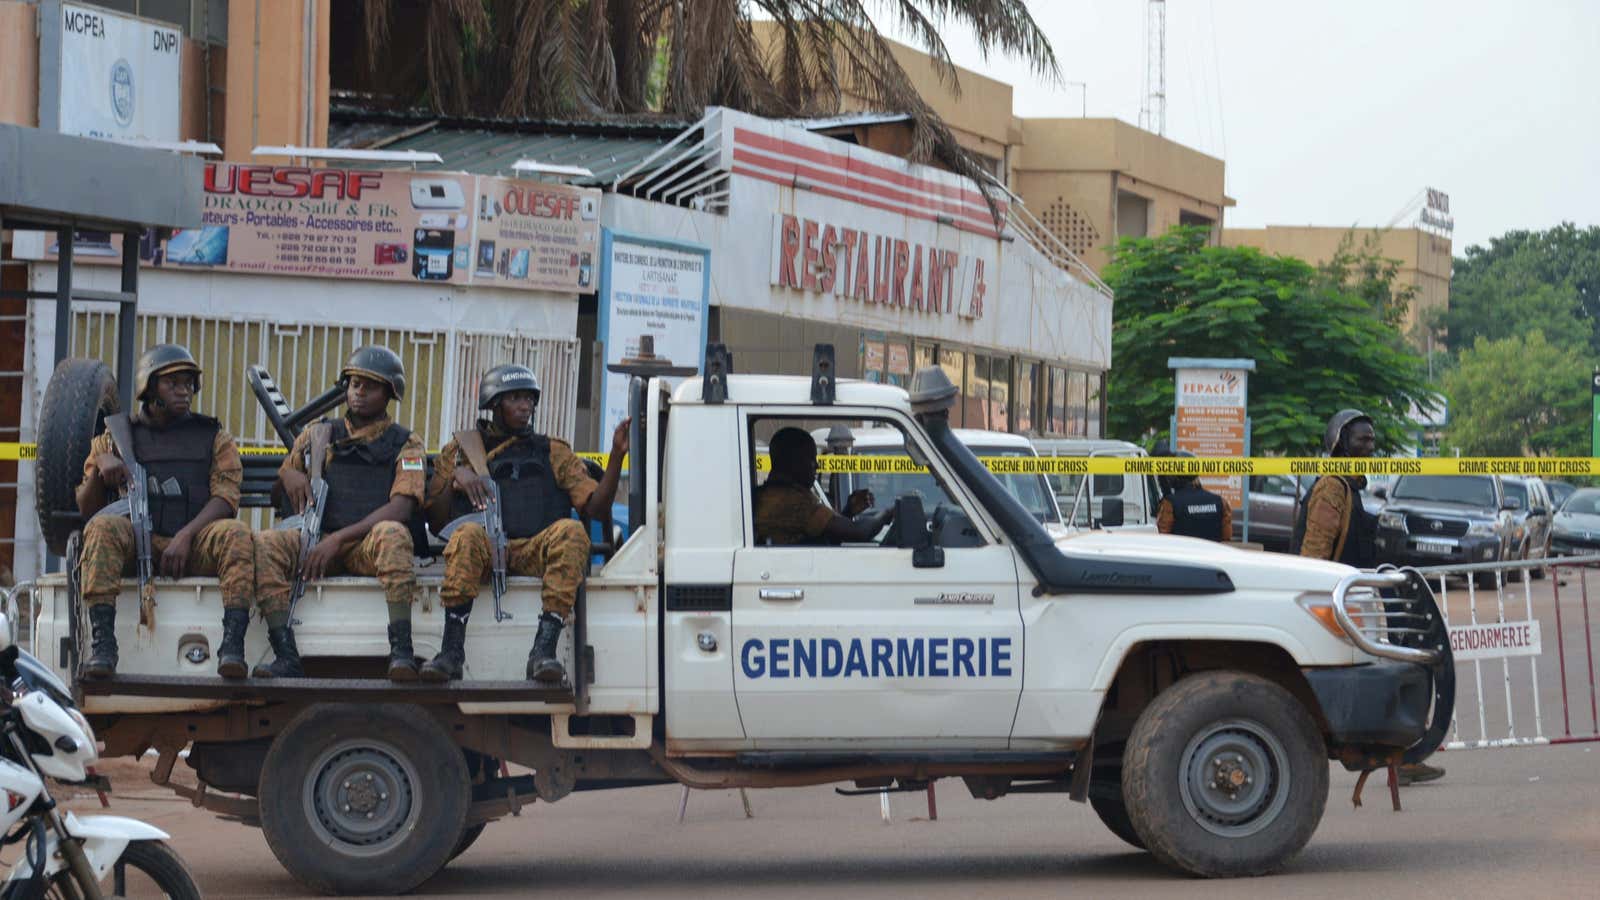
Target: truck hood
1437, 508
1249, 569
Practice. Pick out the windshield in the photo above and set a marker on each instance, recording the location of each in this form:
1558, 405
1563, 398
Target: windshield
1583, 503
1032, 491
1466, 490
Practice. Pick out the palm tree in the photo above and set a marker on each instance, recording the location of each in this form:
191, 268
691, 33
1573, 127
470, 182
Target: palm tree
603, 58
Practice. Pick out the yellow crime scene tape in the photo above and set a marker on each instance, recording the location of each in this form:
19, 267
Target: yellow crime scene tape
869, 464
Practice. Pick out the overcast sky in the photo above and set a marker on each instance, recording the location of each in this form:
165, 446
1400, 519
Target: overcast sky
1335, 112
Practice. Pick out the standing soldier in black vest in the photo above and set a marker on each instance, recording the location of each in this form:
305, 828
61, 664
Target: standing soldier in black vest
375, 475
1334, 524
541, 481
1190, 510
194, 473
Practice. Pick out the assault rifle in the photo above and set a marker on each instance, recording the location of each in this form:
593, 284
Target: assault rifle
311, 518
471, 443
135, 504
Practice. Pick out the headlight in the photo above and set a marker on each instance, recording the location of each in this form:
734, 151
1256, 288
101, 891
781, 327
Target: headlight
83, 722
1482, 529
1394, 520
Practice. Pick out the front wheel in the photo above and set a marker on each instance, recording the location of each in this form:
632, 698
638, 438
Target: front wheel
145, 869
1225, 774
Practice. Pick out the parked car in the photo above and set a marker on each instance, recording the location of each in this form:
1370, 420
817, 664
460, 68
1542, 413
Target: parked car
1139, 494
1274, 506
1531, 534
1434, 520
1575, 528
1559, 491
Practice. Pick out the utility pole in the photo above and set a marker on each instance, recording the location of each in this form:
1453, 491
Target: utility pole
1153, 112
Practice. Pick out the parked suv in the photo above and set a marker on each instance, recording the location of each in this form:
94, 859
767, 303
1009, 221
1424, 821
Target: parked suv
1446, 519
1531, 532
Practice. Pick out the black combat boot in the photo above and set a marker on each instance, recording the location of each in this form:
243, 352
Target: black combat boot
230, 653
542, 662
102, 661
286, 663
402, 659
452, 649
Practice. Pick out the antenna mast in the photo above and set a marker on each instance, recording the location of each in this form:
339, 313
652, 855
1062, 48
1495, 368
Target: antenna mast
1153, 112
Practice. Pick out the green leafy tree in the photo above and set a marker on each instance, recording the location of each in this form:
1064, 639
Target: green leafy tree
1370, 275
1520, 394
1563, 256
1511, 299
1318, 347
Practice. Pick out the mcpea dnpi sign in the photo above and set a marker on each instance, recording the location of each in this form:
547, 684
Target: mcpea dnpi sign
106, 75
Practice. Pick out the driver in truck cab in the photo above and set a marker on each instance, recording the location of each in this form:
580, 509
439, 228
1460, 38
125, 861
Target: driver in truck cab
788, 510
375, 471
541, 481
193, 465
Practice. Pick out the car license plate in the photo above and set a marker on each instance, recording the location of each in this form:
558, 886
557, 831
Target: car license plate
1439, 547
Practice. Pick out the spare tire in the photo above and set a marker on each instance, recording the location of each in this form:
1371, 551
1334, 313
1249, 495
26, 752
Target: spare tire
81, 393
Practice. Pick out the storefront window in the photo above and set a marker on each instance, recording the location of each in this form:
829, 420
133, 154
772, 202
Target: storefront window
872, 356
924, 357
1077, 404
897, 363
1000, 393
1027, 378
976, 398
1058, 400
954, 363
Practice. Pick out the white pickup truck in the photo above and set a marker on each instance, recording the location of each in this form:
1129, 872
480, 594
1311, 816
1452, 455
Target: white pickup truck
1192, 693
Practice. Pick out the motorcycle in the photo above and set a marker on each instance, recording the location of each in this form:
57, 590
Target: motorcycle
43, 735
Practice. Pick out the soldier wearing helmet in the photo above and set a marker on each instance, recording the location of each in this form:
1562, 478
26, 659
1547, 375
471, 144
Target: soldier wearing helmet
1189, 510
194, 473
1334, 525
540, 481
375, 470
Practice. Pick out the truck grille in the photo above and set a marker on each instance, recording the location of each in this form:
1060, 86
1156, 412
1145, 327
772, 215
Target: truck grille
1426, 526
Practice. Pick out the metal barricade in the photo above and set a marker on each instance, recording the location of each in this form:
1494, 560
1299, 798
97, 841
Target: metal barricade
1503, 626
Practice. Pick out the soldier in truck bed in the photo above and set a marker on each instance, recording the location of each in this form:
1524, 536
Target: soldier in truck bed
541, 481
375, 470
194, 466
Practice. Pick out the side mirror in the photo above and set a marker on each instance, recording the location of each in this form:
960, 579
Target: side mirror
911, 533
1111, 513
1511, 504
1382, 493
7, 639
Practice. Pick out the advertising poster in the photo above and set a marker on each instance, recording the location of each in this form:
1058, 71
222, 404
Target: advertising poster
377, 225
1211, 421
654, 301
536, 235
119, 76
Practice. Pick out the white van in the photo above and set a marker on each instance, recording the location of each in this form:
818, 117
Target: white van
1033, 491
1138, 493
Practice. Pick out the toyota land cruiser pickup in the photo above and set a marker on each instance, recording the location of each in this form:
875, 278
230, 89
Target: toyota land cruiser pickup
1190, 692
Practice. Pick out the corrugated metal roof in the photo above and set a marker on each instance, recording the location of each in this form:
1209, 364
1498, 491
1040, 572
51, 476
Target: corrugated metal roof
490, 146
493, 152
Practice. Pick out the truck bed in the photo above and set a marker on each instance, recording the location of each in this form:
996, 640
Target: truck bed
342, 637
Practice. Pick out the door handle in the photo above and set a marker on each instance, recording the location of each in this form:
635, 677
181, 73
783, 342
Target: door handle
782, 594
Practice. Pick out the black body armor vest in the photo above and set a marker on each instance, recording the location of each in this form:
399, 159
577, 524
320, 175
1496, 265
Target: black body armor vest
177, 460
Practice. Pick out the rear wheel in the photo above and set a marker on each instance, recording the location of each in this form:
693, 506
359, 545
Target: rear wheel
364, 798
1225, 774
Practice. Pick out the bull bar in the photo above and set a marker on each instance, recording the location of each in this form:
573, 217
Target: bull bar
1358, 636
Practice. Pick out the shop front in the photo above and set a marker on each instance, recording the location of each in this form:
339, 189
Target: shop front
898, 265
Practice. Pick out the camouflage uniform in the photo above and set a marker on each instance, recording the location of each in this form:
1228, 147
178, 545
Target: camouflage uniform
1328, 511
385, 551
789, 513
559, 554
223, 548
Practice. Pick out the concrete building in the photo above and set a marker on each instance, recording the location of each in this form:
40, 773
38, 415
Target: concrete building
1424, 259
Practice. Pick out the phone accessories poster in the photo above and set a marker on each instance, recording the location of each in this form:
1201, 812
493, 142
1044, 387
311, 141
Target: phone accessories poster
382, 225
